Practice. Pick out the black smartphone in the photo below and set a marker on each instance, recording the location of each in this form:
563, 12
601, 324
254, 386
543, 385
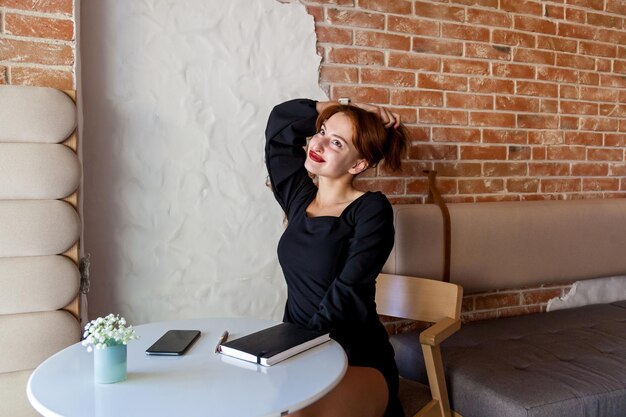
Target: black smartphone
173, 342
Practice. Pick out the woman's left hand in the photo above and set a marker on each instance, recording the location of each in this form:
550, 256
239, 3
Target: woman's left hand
389, 118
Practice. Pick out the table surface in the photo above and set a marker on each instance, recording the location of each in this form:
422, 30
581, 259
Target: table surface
199, 383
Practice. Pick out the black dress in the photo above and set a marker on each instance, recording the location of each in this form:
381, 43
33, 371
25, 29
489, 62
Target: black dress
330, 263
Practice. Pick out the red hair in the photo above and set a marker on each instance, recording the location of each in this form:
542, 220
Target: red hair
371, 139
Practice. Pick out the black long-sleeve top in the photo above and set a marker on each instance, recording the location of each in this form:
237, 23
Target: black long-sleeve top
330, 263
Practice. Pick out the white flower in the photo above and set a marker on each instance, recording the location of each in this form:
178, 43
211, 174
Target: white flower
107, 331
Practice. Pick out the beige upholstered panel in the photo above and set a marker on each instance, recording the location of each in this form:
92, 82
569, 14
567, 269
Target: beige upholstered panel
13, 399
37, 227
35, 114
515, 244
419, 242
29, 338
37, 283
37, 171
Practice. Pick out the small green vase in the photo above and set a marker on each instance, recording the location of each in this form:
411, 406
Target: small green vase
109, 364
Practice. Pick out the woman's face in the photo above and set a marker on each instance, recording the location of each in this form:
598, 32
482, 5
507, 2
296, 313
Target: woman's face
331, 153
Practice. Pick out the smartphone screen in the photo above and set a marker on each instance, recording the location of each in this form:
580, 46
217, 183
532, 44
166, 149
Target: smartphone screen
173, 342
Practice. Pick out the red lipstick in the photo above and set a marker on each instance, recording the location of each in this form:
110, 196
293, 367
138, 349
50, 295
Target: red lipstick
315, 157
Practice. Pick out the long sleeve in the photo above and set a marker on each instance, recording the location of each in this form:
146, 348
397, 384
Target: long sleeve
349, 301
288, 127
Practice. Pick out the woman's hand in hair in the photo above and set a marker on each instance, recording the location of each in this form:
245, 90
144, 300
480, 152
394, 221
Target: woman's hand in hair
389, 118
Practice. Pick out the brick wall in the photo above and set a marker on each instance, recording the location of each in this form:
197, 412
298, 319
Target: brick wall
37, 43
505, 99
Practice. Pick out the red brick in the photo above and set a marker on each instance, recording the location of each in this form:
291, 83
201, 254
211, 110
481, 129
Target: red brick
529, 88
458, 169
453, 134
441, 82
545, 137
599, 94
332, 73
505, 169
44, 6
466, 32
480, 186
382, 40
549, 106
484, 3
483, 152
548, 169
619, 67
601, 154
397, 7
590, 170
387, 77
62, 80
534, 56
522, 6
560, 75
615, 139
555, 12
535, 25
617, 7
537, 121
597, 49
612, 36
569, 122
490, 85
568, 91
519, 153
439, 47
465, 66
603, 65
413, 61
578, 107
597, 19
344, 17
487, 51
522, 185
13, 50
489, 18
575, 15
566, 153
557, 44
328, 34
417, 98
617, 169
589, 78
38, 27
615, 81
386, 186
434, 152
356, 56
575, 61
599, 124
583, 138
560, 185
412, 26
587, 4
337, 2
418, 133
442, 117
439, 11
569, 30
469, 101
505, 136
3, 75
513, 38
512, 70
539, 153
514, 103
492, 119
362, 94
600, 184
317, 12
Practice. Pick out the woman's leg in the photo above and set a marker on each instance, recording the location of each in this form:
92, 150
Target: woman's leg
361, 393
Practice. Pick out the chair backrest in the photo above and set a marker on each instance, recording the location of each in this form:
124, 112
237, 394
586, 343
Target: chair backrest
417, 298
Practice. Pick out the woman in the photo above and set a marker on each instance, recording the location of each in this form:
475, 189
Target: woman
337, 239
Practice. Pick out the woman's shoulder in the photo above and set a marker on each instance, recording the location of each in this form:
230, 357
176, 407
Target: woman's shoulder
372, 203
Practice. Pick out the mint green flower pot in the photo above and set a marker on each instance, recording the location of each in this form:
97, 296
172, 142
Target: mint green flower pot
109, 364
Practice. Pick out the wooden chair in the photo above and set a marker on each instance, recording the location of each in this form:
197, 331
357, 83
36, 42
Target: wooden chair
429, 301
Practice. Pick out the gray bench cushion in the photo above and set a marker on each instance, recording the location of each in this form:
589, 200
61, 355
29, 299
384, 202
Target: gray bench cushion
566, 363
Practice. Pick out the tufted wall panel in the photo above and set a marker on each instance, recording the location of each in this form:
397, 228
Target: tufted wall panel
39, 232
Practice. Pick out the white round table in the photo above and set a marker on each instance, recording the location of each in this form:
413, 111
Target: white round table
199, 383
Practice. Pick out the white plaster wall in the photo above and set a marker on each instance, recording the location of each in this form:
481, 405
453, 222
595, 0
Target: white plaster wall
593, 291
178, 221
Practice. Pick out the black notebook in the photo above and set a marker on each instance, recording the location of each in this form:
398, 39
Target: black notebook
274, 344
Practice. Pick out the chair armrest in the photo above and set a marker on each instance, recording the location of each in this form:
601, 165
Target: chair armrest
440, 331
